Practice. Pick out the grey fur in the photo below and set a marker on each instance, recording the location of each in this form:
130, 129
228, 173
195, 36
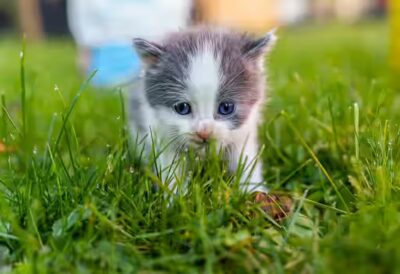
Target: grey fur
168, 66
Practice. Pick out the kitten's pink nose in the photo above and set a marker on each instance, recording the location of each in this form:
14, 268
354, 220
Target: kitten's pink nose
203, 134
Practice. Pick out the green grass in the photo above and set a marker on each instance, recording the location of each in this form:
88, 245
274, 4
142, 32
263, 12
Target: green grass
75, 199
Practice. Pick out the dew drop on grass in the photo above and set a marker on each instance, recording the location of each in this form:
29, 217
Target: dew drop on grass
35, 150
45, 250
131, 170
118, 118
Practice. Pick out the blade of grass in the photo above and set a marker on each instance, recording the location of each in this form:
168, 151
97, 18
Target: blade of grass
3, 117
71, 108
23, 87
356, 130
8, 116
315, 158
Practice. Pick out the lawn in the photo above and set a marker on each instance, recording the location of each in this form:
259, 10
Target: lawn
74, 197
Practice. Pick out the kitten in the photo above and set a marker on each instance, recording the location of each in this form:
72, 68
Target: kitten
199, 85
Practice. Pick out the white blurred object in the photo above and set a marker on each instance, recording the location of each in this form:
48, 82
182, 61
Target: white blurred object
293, 11
104, 31
96, 22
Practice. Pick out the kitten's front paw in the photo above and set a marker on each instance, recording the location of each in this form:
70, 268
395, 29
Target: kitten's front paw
278, 206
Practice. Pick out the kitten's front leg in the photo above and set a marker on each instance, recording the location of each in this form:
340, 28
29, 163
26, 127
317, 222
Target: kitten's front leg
275, 205
170, 168
251, 179
166, 167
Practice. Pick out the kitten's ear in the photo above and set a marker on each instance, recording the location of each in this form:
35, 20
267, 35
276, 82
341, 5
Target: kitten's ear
257, 48
149, 52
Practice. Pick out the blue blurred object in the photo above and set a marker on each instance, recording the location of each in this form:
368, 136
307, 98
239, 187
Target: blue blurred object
116, 64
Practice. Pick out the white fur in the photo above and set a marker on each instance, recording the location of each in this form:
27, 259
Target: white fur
203, 84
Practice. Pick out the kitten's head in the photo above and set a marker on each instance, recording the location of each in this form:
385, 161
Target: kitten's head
203, 83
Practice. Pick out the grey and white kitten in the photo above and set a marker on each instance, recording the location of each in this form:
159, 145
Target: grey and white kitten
202, 84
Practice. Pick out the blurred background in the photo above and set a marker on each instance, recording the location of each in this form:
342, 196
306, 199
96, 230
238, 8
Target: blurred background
40, 18
103, 29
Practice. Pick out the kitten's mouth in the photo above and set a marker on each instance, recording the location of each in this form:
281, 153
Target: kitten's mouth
200, 142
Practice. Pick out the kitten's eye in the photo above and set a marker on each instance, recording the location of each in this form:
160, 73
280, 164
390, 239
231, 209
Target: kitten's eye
183, 108
226, 108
